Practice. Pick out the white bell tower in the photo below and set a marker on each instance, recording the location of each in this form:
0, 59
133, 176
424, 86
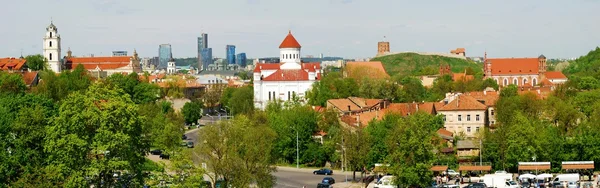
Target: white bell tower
52, 48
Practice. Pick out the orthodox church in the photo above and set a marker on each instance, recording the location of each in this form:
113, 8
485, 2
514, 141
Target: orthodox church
282, 81
98, 66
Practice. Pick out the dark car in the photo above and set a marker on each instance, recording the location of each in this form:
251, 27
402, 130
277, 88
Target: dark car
190, 144
324, 185
477, 185
323, 171
156, 152
184, 137
164, 156
525, 185
328, 180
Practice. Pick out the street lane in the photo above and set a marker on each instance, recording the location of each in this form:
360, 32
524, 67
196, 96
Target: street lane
288, 177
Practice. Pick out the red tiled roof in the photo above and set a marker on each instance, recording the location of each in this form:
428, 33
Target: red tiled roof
488, 97
445, 132
458, 50
555, 75
342, 104
428, 107
402, 109
266, 66
513, 66
290, 42
311, 67
367, 66
104, 63
463, 102
29, 77
289, 75
13, 63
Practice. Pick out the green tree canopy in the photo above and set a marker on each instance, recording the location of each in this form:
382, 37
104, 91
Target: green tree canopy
36, 62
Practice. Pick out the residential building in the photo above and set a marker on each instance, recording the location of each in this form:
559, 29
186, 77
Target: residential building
230, 53
369, 69
51, 48
207, 58
523, 72
286, 80
119, 53
463, 115
202, 44
241, 59
12, 64
164, 55
488, 97
375, 109
104, 66
459, 51
354, 105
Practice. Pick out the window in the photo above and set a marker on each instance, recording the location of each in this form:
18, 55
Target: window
477, 118
50, 34
515, 81
492, 112
50, 43
50, 56
524, 81
477, 129
468, 129
444, 117
493, 122
505, 82
288, 95
534, 82
469, 117
269, 95
459, 117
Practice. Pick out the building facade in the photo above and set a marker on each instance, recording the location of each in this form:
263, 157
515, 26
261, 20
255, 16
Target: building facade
51, 48
171, 68
207, 58
164, 55
230, 51
523, 72
464, 115
383, 48
101, 67
286, 80
202, 44
119, 53
241, 59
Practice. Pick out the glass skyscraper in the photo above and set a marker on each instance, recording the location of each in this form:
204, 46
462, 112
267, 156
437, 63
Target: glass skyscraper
164, 55
203, 44
241, 59
206, 55
230, 51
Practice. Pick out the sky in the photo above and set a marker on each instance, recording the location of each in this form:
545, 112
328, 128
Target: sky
342, 28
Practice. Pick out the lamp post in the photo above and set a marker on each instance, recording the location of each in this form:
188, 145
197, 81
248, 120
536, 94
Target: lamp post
297, 151
343, 155
211, 117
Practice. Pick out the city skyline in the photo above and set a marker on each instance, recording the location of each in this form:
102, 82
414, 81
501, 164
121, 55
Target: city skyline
345, 28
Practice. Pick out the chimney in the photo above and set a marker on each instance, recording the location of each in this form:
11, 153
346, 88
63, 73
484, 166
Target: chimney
349, 109
457, 100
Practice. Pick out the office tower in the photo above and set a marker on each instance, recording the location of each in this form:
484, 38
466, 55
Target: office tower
206, 58
164, 55
230, 51
119, 53
202, 44
241, 59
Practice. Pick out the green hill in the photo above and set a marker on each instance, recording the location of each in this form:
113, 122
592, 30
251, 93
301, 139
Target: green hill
588, 65
412, 64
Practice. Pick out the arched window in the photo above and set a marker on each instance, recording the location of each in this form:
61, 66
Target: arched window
505, 82
534, 82
50, 56
497, 82
515, 81
50, 34
525, 81
50, 44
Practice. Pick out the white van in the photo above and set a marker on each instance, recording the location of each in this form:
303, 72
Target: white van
565, 178
386, 182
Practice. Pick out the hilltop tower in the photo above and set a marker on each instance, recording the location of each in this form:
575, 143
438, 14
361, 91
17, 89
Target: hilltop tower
383, 48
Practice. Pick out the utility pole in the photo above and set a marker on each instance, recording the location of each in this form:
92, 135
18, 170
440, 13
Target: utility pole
480, 148
297, 151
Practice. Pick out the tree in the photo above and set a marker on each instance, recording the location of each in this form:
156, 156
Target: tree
96, 133
59, 87
242, 101
489, 83
238, 152
11, 84
357, 146
36, 62
411, 150
192, 111
441, 86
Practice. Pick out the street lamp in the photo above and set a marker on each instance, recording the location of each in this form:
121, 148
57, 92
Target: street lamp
343, 155
213, 118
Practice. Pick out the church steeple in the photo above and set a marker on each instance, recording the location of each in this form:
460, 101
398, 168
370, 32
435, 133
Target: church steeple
51, 47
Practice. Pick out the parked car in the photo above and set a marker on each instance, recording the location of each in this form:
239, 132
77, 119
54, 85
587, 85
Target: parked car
525, 185
156, 152
557, 184
477, 185
183, 143
449, 186
323, 171
572, 185
501, 172
184, 137
164, 156
450, 172
190, 144
588, 185
328, 180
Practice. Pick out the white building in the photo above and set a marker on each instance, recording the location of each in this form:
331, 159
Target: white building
51, 48
171, 68
463, 114
282, 81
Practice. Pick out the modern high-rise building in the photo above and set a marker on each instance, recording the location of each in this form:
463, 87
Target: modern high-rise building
241, 59
119, 53
230, 51
164, 55
202, 44
206, 58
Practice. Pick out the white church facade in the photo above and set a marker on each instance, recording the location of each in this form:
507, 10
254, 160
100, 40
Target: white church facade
282, 81
51, 48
